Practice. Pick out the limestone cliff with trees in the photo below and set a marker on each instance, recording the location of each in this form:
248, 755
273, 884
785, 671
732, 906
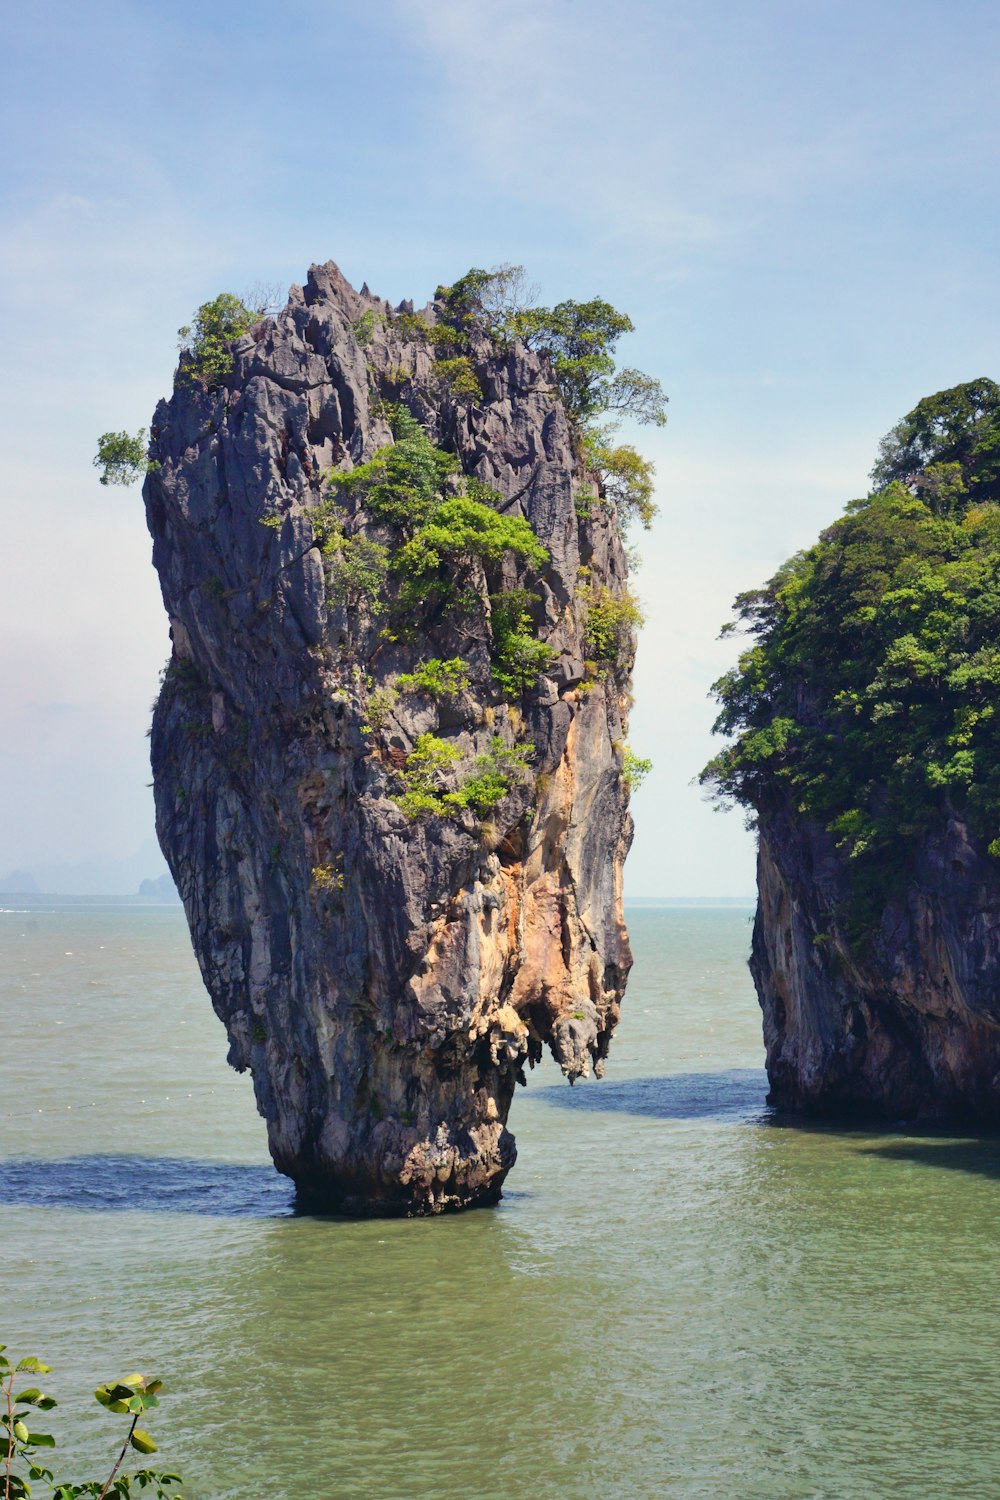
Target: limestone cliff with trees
390, 751
866, 746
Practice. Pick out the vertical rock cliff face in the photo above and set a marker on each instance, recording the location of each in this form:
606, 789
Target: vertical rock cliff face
906, 1026
384, 977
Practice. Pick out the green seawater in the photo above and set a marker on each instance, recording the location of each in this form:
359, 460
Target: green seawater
679, 1296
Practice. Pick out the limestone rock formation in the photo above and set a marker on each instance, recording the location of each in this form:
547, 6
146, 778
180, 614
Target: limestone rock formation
384, 973
906, 1025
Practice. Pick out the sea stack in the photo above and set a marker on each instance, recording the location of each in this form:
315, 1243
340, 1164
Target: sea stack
389, 750
867, 748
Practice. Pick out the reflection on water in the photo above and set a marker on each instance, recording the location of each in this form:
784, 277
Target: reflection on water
674, 1299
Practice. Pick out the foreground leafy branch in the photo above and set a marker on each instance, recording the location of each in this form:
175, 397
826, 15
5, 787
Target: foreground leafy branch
20, 1442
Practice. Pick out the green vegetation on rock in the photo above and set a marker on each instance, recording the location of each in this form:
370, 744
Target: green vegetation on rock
207, 342
869, 697
401, 483
447, 535
610, 622
580, 339
436, 678
635, 769
122, 457
518, 657
433, 762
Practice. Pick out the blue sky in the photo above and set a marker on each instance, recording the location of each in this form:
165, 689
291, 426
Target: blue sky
796, 203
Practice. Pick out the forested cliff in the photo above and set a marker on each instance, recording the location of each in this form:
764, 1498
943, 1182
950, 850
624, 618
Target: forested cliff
867, 749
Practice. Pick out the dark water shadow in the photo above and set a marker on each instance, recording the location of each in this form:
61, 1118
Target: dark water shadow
980, 1157
735, 1094
147, 1184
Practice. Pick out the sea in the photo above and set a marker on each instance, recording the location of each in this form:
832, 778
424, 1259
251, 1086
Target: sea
680, 1295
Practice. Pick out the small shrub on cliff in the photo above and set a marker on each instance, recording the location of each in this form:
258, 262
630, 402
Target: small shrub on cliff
20, 1444
122, 457
364, 328
609, 623
436, 564
379, 705
635, 769
401, 483
458, 377
207, 341
421, 775
433, 761
437, 678
357, 568
518, 658
491, 777
625, 477
327, 878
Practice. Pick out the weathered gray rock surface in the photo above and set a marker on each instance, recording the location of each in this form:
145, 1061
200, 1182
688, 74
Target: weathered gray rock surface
906, 1026
385, 980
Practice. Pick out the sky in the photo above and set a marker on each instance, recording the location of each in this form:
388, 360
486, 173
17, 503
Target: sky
796, 202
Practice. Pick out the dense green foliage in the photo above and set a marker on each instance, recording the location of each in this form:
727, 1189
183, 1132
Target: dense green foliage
870, 694
458, 376
436, 678
364, 328
437, 564
624, 475
433, 762
402, 483
518, 657
611, 620
635, 769
947, 449
356, 568
20, 1465
122, 458
207, 341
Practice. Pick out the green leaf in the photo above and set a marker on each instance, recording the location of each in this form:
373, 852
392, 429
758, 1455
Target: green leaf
142, 1441
42, 1440
33, 1366
114, 1397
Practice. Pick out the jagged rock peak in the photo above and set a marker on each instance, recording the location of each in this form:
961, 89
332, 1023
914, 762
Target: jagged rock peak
388, 780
